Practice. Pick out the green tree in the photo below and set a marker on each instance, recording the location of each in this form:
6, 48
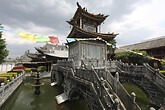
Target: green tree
111, 49
163, 63
3, 51
132, 57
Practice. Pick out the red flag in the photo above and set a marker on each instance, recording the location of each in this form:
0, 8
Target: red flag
54, 40
157, 59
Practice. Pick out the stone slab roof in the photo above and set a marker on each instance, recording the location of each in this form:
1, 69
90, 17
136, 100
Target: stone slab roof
145, 45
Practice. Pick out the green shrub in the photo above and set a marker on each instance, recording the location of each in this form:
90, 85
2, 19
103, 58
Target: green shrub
133, 57
5, 80
42, 68
163, 63
19, 70
163, 72
141, 97
12, 73
28, 70
10, 76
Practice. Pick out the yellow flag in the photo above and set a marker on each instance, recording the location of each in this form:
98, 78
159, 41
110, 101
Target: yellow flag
79, 39
30, 37
109, 44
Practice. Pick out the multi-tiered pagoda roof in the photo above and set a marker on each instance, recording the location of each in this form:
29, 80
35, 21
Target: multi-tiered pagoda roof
78, 32
88, 25
99, 18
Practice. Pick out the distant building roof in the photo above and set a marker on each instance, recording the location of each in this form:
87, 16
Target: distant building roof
60, 51
36, 57
25, 57
145, 45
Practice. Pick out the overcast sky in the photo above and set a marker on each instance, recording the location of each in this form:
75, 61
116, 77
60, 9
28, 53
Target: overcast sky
134, 20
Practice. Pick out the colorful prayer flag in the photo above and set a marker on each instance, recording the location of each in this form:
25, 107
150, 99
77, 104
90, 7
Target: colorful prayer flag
78, 39
140, 53
62, 40
70, 40
42, 39
54, 40
9, 31
30, 37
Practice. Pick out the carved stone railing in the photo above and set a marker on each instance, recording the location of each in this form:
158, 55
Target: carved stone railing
8, 89
144, 69
155, 75
103, 89
66, 63
125, 98
82, 79
106, 86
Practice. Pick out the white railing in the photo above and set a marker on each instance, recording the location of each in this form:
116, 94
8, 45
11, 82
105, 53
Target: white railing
9, 88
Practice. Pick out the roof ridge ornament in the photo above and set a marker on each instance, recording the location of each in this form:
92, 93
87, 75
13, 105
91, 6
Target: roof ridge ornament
79, 5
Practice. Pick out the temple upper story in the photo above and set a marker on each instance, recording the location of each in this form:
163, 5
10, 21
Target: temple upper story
86, 20
88, 25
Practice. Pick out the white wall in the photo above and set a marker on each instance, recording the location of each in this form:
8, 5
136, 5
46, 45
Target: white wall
7, 66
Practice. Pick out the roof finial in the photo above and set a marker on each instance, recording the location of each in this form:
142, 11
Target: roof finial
78, 5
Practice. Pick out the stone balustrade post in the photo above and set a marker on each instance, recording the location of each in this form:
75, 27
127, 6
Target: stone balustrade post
104, 62
133, 97
7, 81
102, 83
116, 82
117, 76
152, 108
105, 68
3, 87
117, 104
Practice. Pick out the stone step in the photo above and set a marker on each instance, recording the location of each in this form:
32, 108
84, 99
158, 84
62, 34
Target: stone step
61, 98
53, 83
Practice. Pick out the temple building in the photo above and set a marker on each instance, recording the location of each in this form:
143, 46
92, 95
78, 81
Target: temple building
52, 52
87, 25
84, 25
154, 47
45, 56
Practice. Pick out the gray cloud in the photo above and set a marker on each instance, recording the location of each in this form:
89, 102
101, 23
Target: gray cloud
134, 36
17, 13
53, 14
18, 50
